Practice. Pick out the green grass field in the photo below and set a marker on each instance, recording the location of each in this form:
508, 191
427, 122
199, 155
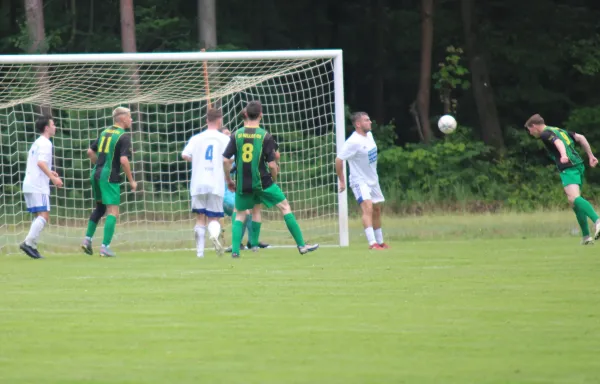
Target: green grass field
454, 309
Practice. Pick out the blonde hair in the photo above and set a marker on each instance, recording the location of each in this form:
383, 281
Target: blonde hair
118, 112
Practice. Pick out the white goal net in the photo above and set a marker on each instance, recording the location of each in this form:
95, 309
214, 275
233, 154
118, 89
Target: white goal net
169, 94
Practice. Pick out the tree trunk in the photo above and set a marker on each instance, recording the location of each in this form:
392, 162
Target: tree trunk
207, 38
491, 131
73, 23
127, 26
34, 12
423, 96
207, 24
128, 44
379, 61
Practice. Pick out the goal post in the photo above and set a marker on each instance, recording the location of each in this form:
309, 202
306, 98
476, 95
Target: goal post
303, 97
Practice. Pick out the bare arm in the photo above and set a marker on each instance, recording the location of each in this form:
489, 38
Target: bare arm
187, 158
339, 169
227, 164
561, 148
53, 176
92, 155
274, 170
127, 169
584, 144
588, 149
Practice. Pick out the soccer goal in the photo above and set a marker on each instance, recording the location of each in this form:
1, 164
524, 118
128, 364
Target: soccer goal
169, 93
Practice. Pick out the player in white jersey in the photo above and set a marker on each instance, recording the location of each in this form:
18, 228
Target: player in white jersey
360, 151
36, 188
207, 187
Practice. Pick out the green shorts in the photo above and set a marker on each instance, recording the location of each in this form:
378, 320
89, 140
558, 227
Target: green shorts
572, 175
268, 197
105, 192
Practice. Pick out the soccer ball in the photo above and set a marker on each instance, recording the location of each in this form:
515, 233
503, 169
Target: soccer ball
447, 124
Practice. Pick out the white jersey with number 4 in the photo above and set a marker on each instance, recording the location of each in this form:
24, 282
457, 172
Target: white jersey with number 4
206, 150
361, 154
36, 180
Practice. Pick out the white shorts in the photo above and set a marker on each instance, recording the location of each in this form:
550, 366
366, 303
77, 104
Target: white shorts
208, 204
37, 202
364, 192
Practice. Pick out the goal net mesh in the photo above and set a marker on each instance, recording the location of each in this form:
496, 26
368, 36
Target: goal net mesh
169, 101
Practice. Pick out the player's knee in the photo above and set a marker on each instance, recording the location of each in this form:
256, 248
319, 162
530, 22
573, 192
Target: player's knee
284, 207
45, 216
98, 212
572, 198
367, 207
112, 210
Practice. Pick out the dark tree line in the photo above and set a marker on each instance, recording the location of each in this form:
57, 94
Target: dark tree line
491, 63
522, 57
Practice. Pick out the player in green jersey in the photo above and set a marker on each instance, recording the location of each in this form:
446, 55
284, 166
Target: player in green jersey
560, 145
254, 150
109, 153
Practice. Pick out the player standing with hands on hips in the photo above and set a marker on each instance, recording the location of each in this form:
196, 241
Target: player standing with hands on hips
360, 151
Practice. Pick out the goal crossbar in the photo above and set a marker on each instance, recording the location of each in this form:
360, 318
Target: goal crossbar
168, 57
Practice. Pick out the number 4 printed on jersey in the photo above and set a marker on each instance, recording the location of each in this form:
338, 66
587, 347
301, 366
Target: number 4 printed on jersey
209, 153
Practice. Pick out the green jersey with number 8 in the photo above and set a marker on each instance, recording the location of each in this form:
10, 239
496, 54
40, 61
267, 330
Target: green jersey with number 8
253, 148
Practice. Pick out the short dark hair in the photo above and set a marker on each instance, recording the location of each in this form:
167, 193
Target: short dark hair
244, 114
534, 120
253, 110
42, 122
356, 116
213, 115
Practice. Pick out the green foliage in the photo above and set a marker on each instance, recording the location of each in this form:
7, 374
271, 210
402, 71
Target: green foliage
460, 173
449, 77
586, 53
385, 135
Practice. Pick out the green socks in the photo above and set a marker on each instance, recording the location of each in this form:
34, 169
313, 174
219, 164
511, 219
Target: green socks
294, 228
109, 229
91, 229
254, 234
583, 222
236, 236
586, 208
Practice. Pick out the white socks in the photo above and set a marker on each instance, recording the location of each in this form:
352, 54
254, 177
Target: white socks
200, 230
370, 235
34, 232
379, 236
214, 229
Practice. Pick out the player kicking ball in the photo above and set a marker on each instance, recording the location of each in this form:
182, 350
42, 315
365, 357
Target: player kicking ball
36, 188
360, 151
560, 145
253, 147
207, 187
